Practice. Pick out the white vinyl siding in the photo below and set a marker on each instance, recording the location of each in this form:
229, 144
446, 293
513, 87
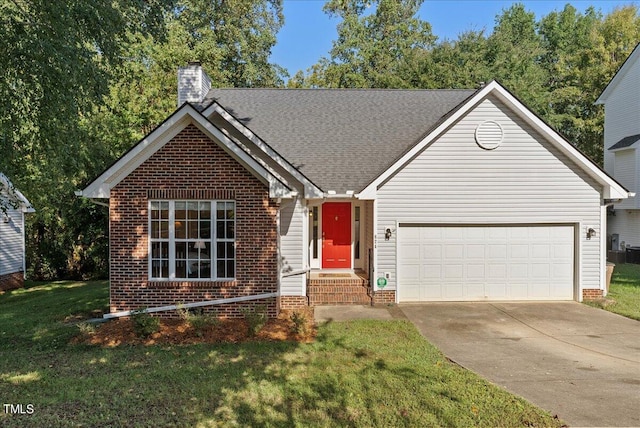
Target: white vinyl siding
525, 180
11, 242
622, 117
626, 223
625, 173
292, 247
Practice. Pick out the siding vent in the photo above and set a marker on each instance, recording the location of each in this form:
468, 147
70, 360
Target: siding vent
489, 135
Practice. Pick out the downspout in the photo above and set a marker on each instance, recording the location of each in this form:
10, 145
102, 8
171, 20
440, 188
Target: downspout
24, 249
278, 252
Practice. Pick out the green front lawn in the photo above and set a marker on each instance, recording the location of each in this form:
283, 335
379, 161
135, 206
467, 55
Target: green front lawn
624, 292
364, 373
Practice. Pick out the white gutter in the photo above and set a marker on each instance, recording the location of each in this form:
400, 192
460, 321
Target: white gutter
24, 250
192, 305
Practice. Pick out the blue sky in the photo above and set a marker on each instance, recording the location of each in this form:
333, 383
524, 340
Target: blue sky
308, 33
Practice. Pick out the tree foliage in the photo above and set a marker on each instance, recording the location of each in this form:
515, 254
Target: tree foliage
371, 46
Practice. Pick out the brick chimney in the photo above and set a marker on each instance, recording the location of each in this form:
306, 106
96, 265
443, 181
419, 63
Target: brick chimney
193, 83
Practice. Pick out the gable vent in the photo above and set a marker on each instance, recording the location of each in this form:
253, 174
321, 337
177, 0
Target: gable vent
489, 135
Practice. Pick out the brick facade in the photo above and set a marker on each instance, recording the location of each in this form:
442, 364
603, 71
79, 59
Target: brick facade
11, 281
384, 296
292, 302
591, 294
191, 166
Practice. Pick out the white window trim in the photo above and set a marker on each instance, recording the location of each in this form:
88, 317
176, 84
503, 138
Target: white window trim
172, 240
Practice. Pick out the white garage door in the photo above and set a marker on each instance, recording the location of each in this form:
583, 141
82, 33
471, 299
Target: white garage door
451, 263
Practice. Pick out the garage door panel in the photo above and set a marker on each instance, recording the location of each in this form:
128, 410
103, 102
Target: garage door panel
518, 271
432, 272
454, 251
453, 290
486, 263
453, 271
497, 271
475, 251
519, 251
475, 271
434, 250
497, 251
475, 291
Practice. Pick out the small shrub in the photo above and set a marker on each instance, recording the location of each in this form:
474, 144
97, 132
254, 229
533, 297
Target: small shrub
86, 329
144, 324
256, 317
197, 318
299, 320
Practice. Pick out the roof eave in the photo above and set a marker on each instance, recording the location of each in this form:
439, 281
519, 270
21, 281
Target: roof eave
100, 188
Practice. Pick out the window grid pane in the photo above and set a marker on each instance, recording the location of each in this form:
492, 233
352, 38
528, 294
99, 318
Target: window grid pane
191, 239
225, 239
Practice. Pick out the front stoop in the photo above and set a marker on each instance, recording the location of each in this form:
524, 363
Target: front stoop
336, 291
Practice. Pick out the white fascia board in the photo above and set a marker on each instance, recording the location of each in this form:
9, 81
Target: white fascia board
101, 186
310, 189
622, 71
611, 189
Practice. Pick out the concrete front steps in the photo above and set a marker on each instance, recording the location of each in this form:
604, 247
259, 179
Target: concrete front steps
337, 289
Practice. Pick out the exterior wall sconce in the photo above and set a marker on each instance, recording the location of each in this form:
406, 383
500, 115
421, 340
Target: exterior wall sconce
590, 232
5, 218
387, 234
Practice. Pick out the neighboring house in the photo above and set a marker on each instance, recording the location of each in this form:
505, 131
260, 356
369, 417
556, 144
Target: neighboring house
621, 99
12, 244
300, 196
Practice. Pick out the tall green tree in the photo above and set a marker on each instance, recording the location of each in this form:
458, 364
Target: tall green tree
375, 40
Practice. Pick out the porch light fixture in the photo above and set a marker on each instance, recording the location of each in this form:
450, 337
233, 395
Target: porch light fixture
590, 232
5, 218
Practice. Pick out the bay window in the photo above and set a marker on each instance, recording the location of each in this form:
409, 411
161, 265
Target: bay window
192, 240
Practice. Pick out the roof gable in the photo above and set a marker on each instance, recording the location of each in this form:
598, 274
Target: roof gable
612, 189
185, 115
619, 76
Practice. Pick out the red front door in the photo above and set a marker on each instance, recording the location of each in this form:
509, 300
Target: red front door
336, 235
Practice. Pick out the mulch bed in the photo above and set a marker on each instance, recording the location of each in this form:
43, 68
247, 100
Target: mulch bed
179, 332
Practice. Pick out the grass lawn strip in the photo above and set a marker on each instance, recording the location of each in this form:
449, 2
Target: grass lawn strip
360, 373
624, 292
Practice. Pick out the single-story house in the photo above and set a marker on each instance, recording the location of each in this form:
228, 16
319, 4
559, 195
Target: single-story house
621, 100
294, 197
12, 241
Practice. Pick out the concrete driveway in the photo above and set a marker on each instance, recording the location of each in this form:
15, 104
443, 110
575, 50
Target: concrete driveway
577, 362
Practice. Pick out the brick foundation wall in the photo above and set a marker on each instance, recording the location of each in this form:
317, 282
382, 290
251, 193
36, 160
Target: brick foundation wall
191, 166
292, 302
591, 294
384, 296
11, 281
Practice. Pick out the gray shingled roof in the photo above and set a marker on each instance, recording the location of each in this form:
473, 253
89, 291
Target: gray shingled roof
626, 142
341, 139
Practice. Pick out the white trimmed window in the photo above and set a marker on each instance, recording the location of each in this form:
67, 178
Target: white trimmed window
192, 240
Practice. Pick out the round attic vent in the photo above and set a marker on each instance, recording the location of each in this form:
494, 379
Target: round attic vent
489, 135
